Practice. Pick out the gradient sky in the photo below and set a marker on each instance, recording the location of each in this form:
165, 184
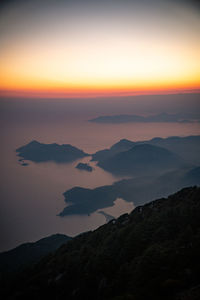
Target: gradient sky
89, 48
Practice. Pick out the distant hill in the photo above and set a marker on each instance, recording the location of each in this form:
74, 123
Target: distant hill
30, 253
187, 147
152, 253
123, 145
158, 118
141, 159
39, 152
120, 146
193, 176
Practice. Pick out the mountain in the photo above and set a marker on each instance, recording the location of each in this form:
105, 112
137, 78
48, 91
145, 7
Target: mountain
120, 146
162, 117
141, 159
30, 253
38, 152
187, 147
152, 253
123, 145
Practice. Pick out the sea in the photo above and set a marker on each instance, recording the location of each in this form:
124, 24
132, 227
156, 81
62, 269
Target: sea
32, 196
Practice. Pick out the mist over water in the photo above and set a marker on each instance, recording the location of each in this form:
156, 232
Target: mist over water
31, 196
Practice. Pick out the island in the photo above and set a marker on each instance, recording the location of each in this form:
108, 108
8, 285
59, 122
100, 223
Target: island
39, 152
85, 167
22, 162
84, 201
157, 118
138, 190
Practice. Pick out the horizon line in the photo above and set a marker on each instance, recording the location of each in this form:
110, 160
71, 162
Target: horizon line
99, 94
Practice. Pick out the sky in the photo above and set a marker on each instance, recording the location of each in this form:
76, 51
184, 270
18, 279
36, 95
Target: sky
73, 48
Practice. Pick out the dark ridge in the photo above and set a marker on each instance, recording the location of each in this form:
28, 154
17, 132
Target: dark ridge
30, 253
152, 253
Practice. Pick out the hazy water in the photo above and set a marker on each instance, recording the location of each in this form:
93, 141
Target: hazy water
31, 197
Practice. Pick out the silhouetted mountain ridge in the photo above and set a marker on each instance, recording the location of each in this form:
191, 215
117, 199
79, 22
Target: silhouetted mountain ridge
152, 253
30, 253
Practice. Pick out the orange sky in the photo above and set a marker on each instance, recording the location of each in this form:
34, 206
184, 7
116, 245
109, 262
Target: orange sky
63, 54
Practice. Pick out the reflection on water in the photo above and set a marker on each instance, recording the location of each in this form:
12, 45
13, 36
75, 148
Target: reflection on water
31, 196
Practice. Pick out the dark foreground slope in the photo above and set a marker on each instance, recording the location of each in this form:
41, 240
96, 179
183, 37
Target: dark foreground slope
153, 253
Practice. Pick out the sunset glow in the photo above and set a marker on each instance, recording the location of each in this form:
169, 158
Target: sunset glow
98, 52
